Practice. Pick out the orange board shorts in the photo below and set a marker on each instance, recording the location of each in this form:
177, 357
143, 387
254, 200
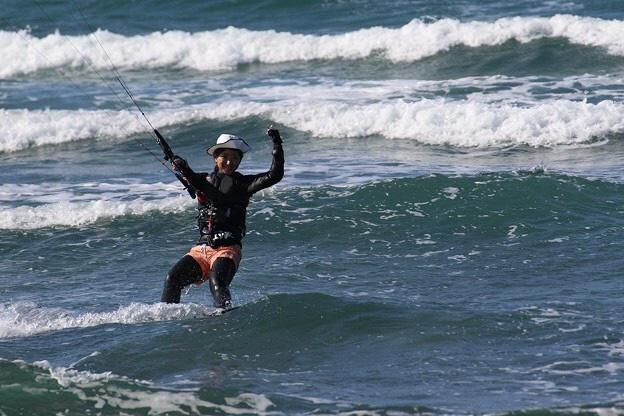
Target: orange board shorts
206, 256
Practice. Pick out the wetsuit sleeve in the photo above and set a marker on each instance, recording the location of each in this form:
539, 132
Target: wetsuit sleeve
272, 176
199, 182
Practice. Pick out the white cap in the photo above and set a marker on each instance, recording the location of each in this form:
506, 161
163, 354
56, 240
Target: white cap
229, 141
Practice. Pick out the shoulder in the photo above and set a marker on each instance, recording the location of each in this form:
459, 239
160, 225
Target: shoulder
239, 177
250, 177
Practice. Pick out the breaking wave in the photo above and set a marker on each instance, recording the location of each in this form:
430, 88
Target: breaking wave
428, 121
225, 49
26, 318
86, 392
63, 205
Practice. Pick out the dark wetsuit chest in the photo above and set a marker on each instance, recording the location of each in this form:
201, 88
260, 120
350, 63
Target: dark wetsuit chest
221, 220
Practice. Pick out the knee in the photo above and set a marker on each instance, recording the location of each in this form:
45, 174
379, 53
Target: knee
172, 279
222, 272
224, 266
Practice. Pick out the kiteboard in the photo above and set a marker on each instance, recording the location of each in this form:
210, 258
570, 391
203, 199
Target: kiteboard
222, 311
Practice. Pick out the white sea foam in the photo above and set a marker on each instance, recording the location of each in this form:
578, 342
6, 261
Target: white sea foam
76, 214
51, 192
63, 205
429, 121
579, 368
118, 392
79, 204
26, 318
524, 91
613, 349
21, 129
224, 49
463, 124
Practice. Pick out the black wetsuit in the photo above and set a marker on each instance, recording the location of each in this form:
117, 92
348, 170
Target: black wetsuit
222, 209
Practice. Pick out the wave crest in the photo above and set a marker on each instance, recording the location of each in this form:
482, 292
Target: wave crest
26, 318
429, 121
225, 49
85, 392
76, 214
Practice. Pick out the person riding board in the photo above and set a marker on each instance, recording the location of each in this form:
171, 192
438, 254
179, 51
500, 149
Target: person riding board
222, 199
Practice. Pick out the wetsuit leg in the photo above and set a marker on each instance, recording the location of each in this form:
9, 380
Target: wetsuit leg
221, 275
183, 273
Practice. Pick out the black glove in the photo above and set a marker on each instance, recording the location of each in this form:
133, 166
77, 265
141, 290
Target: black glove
179, 164
274, 135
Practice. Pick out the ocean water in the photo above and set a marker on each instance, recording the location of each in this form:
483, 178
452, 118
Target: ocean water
447, 239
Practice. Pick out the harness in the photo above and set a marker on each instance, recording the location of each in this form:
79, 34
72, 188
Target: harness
221, 225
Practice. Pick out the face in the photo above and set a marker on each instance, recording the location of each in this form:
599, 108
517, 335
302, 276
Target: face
227, 161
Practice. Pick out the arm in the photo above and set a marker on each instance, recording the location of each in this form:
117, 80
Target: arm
275, 173
170, 156
196, 180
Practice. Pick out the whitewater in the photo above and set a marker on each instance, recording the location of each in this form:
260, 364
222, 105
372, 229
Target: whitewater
225, 49
428, 121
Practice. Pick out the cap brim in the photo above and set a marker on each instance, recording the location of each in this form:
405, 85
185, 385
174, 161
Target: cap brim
237, 144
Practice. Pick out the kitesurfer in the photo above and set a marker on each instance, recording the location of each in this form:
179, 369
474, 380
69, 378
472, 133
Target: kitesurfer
222, 199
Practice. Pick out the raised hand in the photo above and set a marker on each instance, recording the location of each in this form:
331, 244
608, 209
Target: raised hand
274, 135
